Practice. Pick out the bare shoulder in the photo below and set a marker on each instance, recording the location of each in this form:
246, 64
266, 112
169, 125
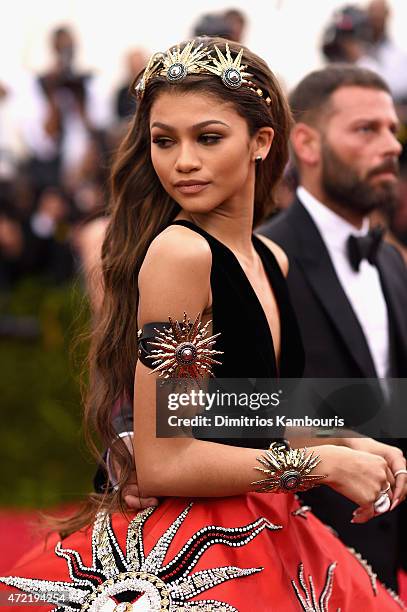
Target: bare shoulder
175, 276
278, 253
178, 248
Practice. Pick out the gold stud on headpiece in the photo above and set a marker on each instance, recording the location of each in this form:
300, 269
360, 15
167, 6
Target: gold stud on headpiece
175, 65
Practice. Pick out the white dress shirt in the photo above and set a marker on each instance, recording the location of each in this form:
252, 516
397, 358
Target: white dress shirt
362, 288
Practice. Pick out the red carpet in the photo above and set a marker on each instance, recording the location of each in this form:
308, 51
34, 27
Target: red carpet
19, 532
17, 535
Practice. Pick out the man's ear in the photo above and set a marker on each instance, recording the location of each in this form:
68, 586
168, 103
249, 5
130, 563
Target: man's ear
306, 143
262, 142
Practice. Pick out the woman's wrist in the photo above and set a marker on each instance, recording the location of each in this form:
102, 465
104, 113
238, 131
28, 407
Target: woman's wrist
330, 456
358, 443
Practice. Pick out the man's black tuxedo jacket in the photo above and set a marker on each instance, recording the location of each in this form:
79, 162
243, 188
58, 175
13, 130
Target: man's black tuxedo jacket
335, 347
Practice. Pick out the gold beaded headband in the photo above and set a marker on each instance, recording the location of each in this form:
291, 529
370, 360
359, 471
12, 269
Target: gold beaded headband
175, 65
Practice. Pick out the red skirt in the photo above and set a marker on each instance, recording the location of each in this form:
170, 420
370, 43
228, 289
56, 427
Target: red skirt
257, 552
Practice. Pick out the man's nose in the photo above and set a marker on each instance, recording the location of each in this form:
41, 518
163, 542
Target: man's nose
391, 145
188, 159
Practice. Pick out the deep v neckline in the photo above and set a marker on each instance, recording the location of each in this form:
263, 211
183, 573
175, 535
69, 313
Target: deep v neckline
259, 246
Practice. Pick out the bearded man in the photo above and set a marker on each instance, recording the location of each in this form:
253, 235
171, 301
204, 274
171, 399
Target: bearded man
348, 286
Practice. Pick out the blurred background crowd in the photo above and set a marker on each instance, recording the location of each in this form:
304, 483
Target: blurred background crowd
56, 145
58, 133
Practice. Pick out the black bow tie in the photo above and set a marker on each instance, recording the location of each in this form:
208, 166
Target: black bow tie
365, 247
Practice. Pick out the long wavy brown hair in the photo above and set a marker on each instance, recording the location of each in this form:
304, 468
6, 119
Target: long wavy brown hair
139, 210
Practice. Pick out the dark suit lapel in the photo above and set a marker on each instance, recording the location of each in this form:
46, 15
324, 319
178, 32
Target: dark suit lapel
394, 283
313, 257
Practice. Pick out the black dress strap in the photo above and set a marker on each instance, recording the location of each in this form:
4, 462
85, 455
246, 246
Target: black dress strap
213, 242
292, 354
145, 336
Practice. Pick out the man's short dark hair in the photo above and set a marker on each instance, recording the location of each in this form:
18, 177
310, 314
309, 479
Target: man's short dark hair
310, 98
235, 14
61, 31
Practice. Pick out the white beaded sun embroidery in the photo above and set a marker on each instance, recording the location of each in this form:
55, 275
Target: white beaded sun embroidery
131, 582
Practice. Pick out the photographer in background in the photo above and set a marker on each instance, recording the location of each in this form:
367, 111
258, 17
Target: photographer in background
213, 24
230, 24
61, 118
125, 102
346, 36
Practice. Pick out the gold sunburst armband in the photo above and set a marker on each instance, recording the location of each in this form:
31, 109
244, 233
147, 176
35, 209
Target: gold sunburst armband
287, 470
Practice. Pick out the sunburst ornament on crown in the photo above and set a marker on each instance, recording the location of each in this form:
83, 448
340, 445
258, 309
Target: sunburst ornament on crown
135, 582
230, 70
183, 351
175, 65
178, 64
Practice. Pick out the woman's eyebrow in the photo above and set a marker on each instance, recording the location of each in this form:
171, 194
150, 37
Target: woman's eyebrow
164, 126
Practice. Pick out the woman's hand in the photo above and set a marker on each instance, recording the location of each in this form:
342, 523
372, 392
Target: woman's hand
394, 458
131, 496
358, 475
130, 491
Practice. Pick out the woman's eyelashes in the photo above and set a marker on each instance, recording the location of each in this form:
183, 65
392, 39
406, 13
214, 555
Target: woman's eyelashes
206, 139
210, 139
162, 142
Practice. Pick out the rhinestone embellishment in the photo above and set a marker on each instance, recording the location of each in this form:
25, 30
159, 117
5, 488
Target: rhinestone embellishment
155, 594
139, 89
186, 353
125, 582
176, 72
301, 511
290, 480
368, 568
308, 597
232, 78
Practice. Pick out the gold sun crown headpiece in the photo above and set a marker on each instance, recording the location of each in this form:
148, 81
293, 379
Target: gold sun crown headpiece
175, 65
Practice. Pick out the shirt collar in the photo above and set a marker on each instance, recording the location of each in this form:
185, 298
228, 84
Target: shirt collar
334, 229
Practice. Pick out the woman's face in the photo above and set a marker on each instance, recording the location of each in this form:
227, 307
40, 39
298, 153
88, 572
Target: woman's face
201, 150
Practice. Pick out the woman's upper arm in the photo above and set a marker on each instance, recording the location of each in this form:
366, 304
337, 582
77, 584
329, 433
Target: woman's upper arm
175, 278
